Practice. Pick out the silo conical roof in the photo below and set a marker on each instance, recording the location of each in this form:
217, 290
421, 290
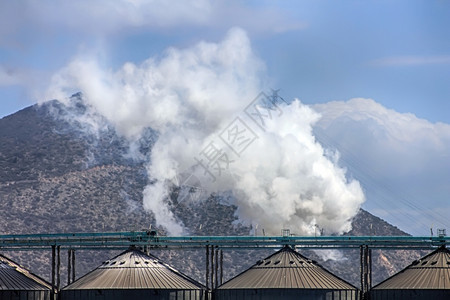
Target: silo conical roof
287, 269
430, 272
134, 269
14, 277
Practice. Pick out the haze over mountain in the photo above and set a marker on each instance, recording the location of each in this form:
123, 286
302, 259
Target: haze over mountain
57, 177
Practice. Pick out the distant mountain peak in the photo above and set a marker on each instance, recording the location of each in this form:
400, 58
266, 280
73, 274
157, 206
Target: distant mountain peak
366, 224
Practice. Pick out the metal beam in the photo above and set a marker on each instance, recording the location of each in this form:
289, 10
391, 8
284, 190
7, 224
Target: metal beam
122, 240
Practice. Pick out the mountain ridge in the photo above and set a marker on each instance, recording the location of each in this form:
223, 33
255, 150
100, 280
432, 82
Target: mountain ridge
54, 177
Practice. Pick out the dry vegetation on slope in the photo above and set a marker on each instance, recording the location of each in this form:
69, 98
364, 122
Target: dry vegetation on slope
55, 178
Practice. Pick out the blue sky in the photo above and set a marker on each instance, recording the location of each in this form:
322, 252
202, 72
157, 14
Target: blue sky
394, 52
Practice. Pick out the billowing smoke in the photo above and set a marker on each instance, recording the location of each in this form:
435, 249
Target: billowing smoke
219, 133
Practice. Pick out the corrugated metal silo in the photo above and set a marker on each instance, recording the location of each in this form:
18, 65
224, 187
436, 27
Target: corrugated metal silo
286, 274
427, 278
18, 283
133, 275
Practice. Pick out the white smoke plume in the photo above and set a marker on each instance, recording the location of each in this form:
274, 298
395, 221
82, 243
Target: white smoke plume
214, 138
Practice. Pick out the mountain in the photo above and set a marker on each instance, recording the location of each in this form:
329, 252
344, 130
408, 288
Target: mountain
59, 175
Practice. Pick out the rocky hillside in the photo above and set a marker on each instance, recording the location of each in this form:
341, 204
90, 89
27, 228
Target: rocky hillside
56, 176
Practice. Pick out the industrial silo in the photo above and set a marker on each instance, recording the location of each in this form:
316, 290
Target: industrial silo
18, 283
426, 278
133, 275
286, 274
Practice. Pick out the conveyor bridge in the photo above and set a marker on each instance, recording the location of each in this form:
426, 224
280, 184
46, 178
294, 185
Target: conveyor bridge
214, 246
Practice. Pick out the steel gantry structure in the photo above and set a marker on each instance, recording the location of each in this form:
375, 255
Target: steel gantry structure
150, 239
214, 246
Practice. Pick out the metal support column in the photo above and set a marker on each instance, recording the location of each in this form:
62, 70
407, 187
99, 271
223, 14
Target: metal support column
221, 266
361, 270
69, 265
366, 270
212, 267
53, 271
369, 269
73, 265
58, 268
207, 267
216, 281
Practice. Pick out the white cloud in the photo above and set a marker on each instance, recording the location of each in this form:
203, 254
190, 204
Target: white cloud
39, 37
9, 76
400, 159
101, 18
411, 60
28, 78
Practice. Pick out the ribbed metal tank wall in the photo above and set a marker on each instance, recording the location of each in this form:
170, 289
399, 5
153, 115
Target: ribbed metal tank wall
131, 294
285, 294
25, 295
410, 295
